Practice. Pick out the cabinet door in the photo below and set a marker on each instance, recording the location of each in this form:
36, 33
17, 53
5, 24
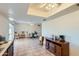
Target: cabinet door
51, 47
6, 53
10, 50
58, 50
47, 45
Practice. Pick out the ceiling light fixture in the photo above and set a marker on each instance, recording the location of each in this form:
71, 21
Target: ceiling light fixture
44, 19
49, 6
11, 19
42, 5
31, 24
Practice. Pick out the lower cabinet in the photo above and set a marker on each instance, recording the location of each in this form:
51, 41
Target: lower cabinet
9, 51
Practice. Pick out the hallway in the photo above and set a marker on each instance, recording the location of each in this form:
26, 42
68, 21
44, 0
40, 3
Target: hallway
29, 47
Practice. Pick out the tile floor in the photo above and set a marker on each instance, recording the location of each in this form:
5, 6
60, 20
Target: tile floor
29, 47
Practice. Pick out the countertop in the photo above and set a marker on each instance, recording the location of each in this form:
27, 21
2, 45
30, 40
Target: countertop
57, 42
4, 47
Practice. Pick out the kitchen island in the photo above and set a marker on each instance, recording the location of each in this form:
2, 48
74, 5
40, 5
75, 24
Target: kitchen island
6, 49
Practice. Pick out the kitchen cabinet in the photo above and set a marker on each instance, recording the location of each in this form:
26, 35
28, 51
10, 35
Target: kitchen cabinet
10, 50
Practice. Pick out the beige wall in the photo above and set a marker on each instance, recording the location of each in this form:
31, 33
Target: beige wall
27, 28
67, 25
4, 26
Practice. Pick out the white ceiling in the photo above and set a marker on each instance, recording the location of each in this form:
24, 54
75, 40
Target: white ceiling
19, 12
